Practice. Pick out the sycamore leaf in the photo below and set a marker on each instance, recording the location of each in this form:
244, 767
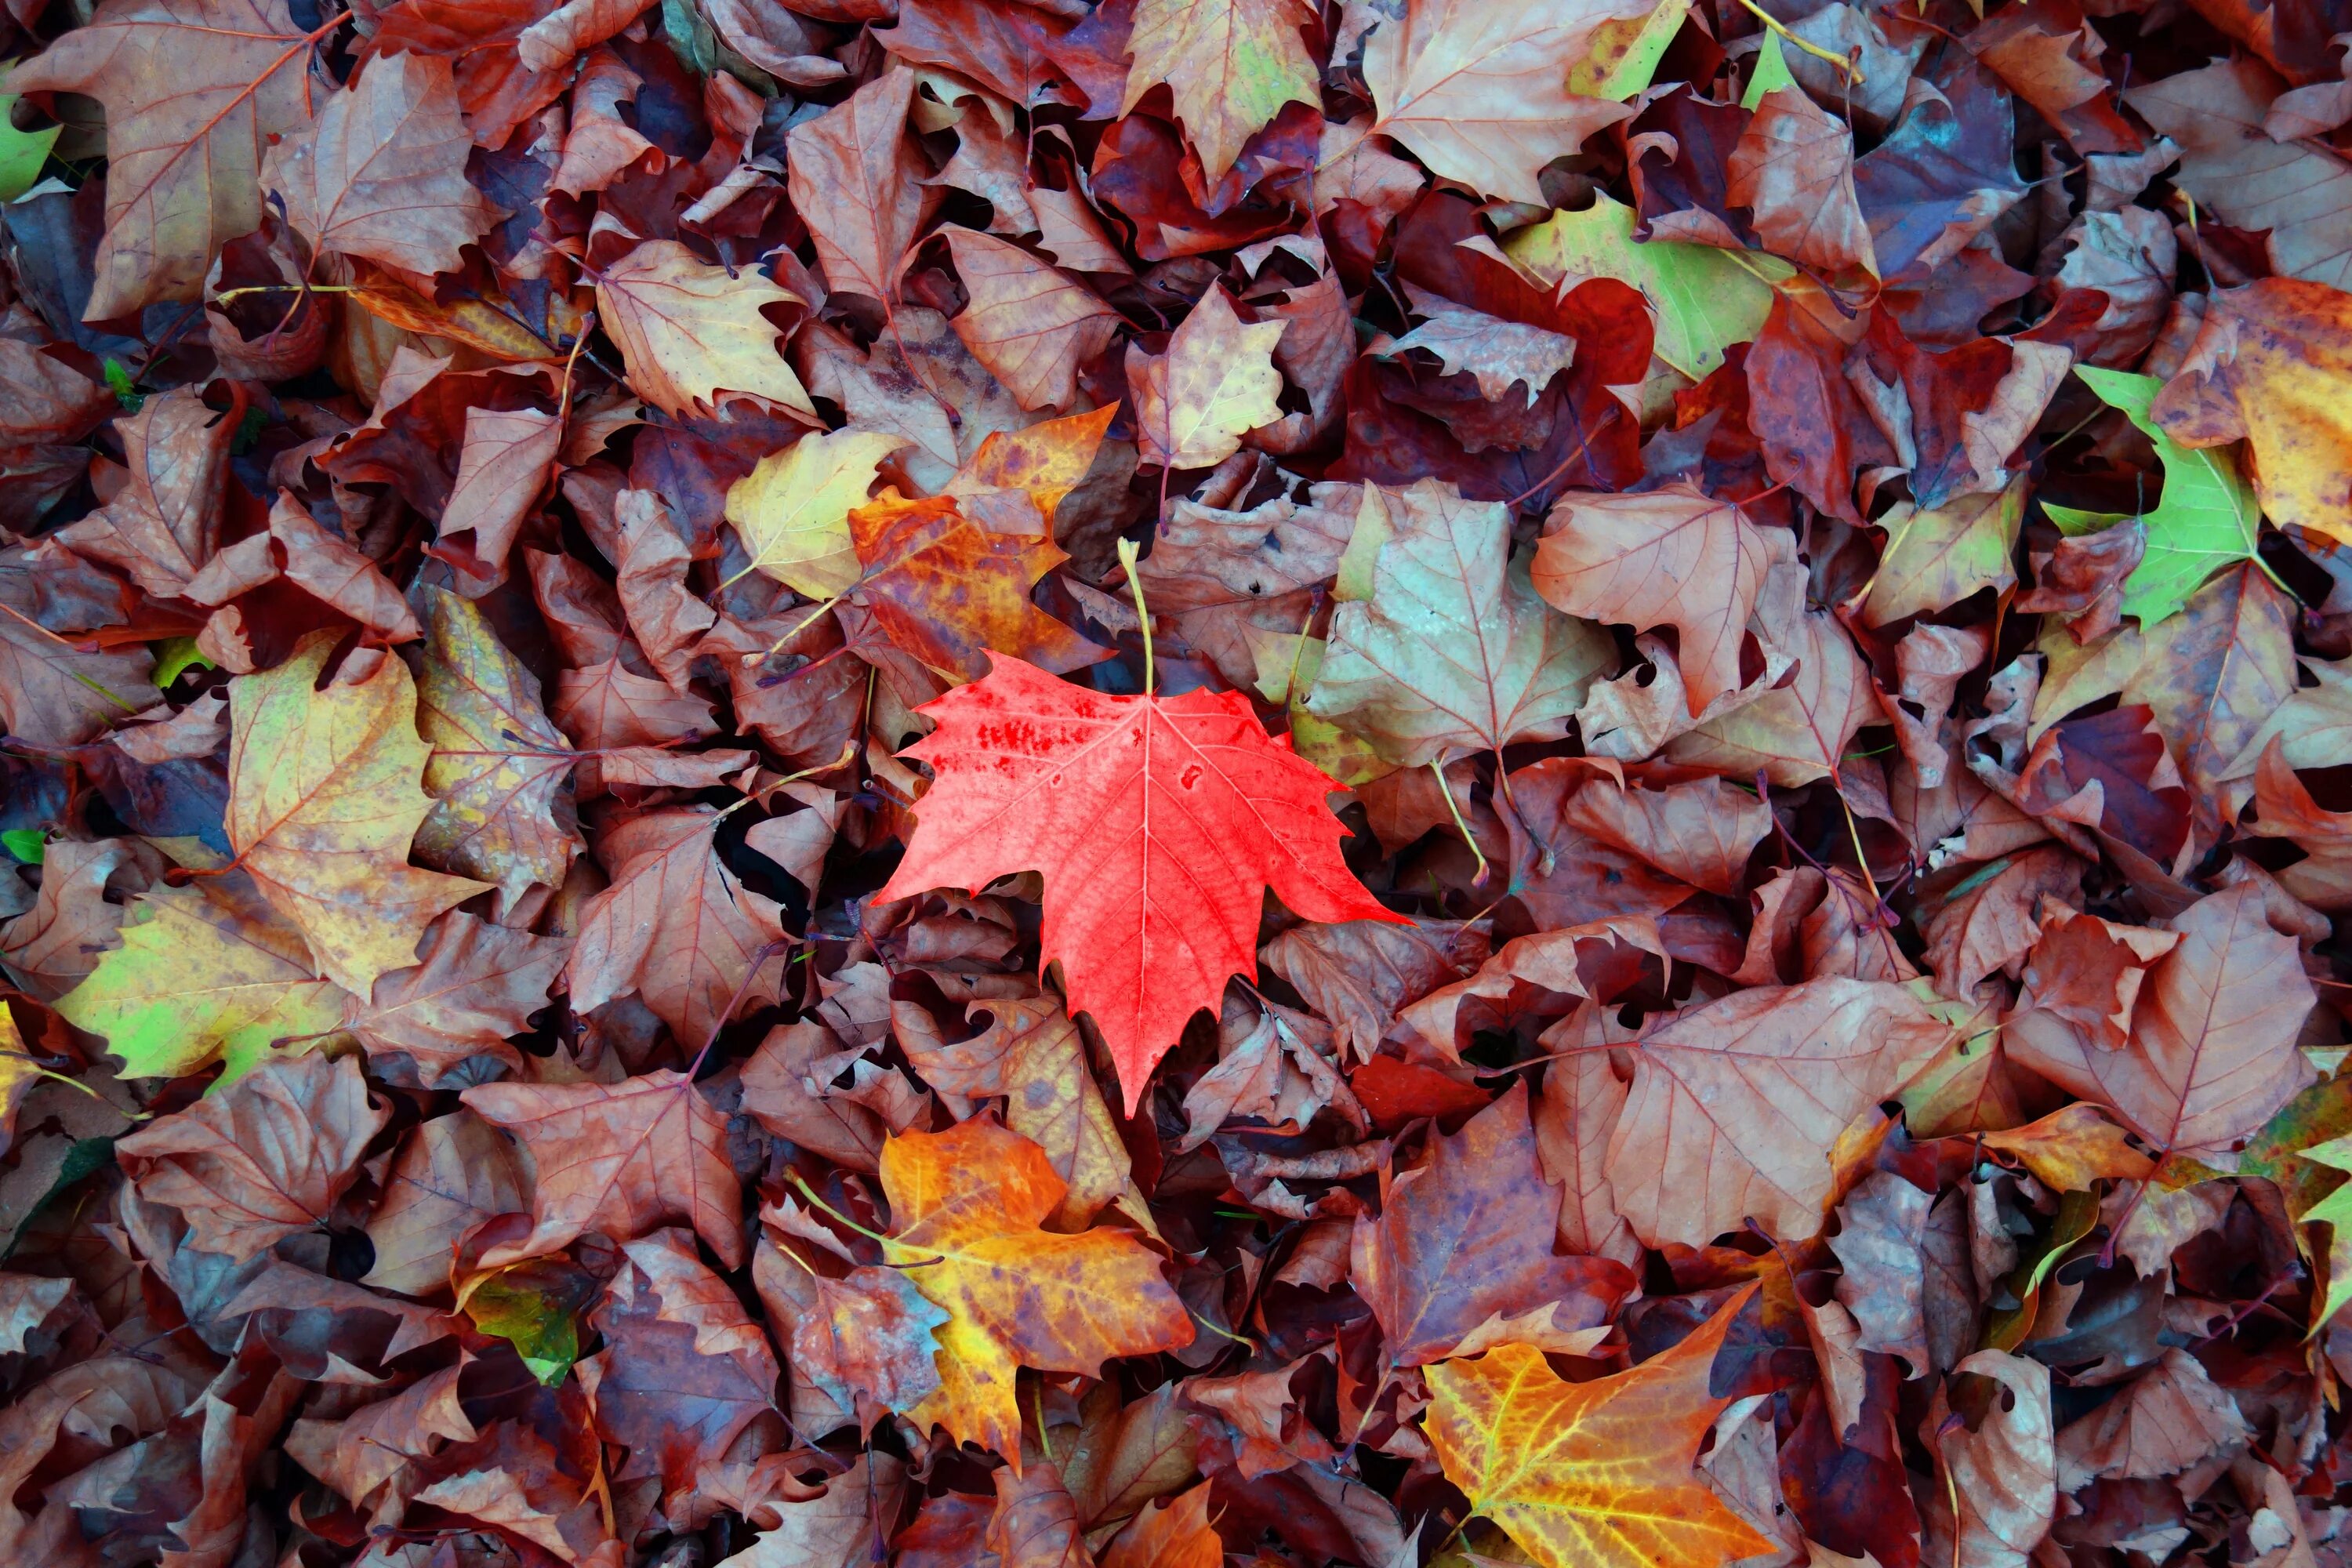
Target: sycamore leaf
1452, 652
2212, 1053
1937, 556
966, 1205
675, 926
793, 509
1737, 1104
690, 334
1705, 299
1794, 167
1672, 556
2207, 519
1159, 823
617, 1158
1466, 1240
1593, 1475
1215, 382
2268, 366
475, 986
323, 800
1232, 64
383, 173
497, 773
204, 970
950, 591
857, 178
195, 91
1030, 325
452, 1173
1478, 91
262, 1160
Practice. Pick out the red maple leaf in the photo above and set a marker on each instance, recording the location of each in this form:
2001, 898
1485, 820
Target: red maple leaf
1158, 824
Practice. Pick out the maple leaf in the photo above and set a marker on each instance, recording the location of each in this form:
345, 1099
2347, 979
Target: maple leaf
474, 985
1794, 167
1232, 65
1592, 1473
164, 525
949, 590
1937, 556
264, 1159
1216, 382
675, 926
1451, 650
684, 1368
1705, 299
857, 177
1159, 823
2268, 367
1463, 1247
498, 768
1736, 1105
618, 1158
205, 970
1475, 88
690, 332
323, 800
382, 172
965, 1208
195, 91
2207, 519
1673, 556
793, 509
2211, 1052
451, 1173
1030, 325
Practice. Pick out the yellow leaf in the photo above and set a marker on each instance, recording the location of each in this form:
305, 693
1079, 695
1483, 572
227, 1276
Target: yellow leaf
1593, 1475
793, 510
1232, 65
968, 1203
323, 800
688, 332
1216, 381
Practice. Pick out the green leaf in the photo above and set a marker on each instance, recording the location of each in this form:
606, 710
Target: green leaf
2334, 1211
1771, 73
22, 152
174, 656
2208, 518
126, 391
27, 844
534, 1306
204, 972
1624, 54
1706, 300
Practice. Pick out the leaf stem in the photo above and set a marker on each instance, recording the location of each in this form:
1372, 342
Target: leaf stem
1852, 68
1446, 790
1127, 555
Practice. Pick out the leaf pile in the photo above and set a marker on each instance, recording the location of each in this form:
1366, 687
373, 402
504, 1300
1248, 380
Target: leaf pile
1164, 782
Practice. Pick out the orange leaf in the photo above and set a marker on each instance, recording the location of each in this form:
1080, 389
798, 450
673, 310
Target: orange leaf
967, 1205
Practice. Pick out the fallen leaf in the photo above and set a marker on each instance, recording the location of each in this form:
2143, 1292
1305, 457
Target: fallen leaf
1591, 1472
381, 172
618, 1158
690, 334
1069, 787
323, 801
1215, 382
1452, 652
965, 1207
